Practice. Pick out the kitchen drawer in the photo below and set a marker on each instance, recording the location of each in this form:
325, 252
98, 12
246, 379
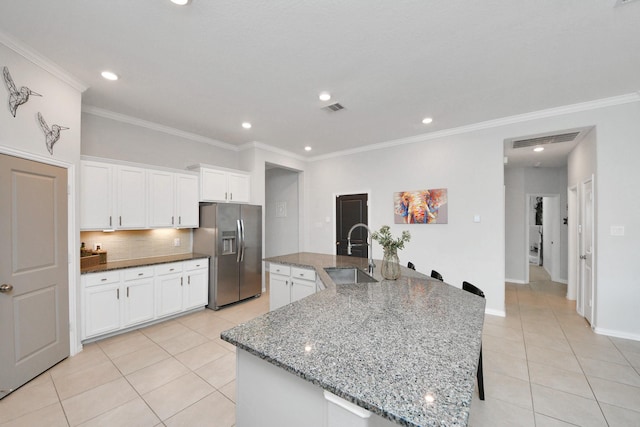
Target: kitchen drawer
171, 268
284, 270
137, 273
103, 278
196, 264
303, 273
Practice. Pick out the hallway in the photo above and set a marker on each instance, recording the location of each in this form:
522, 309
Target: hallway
544, 366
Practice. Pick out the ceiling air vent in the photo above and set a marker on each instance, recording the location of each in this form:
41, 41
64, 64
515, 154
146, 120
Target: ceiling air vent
548, 139
623, 2
334, 107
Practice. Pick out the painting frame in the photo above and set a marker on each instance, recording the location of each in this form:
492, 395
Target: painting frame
430, 206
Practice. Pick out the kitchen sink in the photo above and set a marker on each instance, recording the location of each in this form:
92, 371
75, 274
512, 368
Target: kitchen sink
348, 275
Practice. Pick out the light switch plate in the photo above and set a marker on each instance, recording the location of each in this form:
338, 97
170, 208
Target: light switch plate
617, 230
476, 218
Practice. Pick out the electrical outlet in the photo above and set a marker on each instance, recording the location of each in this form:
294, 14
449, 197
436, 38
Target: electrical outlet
97, 246
176, 241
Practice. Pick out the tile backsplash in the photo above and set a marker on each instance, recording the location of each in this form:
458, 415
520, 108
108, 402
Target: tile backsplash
131, 244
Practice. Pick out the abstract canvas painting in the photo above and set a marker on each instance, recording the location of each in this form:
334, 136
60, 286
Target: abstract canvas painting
421, 207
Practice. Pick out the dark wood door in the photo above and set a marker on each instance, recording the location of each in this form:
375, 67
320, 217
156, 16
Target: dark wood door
350, 210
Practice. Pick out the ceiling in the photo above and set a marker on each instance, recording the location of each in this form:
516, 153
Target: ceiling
207, 67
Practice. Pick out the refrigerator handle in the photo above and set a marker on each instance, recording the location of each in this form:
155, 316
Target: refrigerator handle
242, 240
238, 241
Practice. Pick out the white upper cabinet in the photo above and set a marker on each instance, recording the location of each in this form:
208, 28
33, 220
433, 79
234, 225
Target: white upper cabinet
131, 200
213, 185
162, 199
114, 196
187, 207
223, 185
173, 200
239, 185
96, 195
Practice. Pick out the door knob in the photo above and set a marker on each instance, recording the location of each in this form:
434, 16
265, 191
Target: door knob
583, 257
6, 288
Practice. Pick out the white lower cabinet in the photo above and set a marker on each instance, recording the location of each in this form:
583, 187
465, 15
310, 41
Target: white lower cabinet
137, 296
168, 287
196, 290
101, 308
121, 299
288, 284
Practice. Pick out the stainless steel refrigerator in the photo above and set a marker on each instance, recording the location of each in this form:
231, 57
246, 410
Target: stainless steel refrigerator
232, 235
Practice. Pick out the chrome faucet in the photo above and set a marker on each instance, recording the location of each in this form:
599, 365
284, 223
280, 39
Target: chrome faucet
369, 244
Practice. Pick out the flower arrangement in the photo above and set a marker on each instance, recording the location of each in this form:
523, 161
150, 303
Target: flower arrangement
390, 262
386, 240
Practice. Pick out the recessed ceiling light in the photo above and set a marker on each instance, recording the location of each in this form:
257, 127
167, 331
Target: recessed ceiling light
181, 2
246, 125
538, 149
109, 75
324, 96
307, 148
427, 120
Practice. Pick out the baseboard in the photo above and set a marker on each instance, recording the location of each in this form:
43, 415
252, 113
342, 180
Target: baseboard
500, 313
517, 282
616, 334
563, 281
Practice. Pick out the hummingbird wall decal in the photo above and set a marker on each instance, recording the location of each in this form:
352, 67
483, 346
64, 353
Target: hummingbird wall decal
16, 97
52, 135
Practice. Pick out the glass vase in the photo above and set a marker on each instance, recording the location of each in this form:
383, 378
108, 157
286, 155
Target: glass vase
390, 265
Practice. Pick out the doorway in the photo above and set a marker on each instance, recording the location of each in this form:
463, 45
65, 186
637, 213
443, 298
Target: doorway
34, 272
543, 234
587, 255
352, 209
282, 211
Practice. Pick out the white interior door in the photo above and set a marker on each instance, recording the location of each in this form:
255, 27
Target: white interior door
586, 230
34, 285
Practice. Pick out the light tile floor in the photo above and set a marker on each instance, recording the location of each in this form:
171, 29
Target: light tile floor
543, 366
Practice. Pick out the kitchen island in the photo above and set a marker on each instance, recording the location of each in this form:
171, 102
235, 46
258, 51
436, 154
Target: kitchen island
401, 352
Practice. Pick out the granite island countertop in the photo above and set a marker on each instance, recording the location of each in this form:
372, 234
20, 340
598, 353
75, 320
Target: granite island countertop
405, 349
141, 262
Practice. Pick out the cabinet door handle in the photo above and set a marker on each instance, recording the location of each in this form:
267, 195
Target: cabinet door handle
120, 219
181, 281
230, 196
179, 219
140, 274
104, 279
188, 280
172, 220
225, 195
171, 269
110, 224
127, 292
118, 293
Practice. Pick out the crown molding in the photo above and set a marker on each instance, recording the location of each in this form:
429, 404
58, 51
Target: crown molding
272, 149
519, 118
41, 61
504, 121
100, 112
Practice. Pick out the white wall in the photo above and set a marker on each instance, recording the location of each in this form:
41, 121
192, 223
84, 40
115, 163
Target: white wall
515, 214
519, 182
618, 269
281, 232
22, 136
113, 139
470, 166
617, 152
